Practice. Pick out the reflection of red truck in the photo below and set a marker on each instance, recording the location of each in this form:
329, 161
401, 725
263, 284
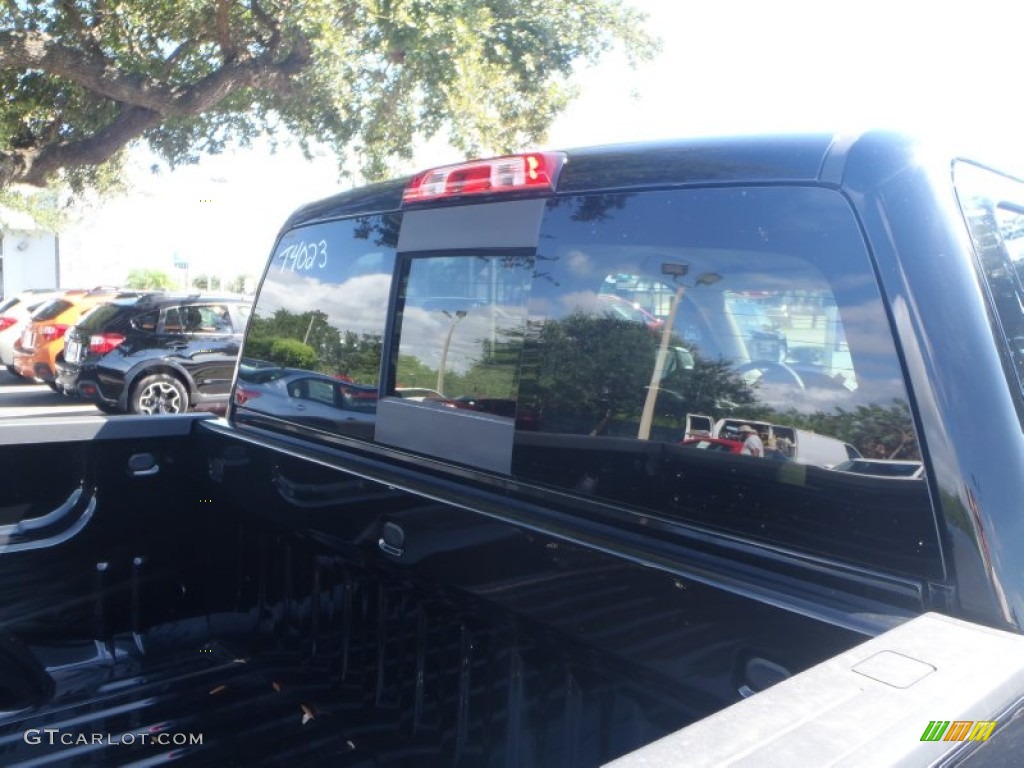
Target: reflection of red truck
800, 445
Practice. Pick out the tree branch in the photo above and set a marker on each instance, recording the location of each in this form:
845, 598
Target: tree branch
223, 30
35, 166
34, 50
74, 17
262, 73
85, 33
37, 50
145, 104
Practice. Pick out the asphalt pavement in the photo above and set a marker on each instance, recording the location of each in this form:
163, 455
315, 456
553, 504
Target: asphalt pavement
19, 397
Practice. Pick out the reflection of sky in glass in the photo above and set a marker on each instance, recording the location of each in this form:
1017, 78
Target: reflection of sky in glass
856, 329
457, 307
358, 304
792, 272
338, 268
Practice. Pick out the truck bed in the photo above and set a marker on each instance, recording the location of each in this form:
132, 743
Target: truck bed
240, 593
362, 671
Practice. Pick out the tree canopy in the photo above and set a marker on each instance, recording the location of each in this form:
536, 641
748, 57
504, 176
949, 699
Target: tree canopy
82, 79
146, 279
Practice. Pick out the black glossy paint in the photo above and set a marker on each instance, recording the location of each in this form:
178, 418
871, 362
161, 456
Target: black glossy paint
967, 415
902, 195
479, 641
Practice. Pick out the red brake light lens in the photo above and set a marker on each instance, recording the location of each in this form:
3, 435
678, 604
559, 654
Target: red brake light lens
53, 331
243, 395
6, 322
536, 171
102, 343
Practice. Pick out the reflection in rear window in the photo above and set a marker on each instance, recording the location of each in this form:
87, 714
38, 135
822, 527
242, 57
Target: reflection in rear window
51, 310
753, 311
99, 317
321, 311
993, 207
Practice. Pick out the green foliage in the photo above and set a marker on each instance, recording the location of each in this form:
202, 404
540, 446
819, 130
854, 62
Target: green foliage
589, 368
587, 374
413, 373
83, 78
323, 347
710, 387
153, 279
42, 205
204, 282
878, 432
494, 375
287, 353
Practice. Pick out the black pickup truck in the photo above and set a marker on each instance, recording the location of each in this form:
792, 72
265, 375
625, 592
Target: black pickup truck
457, 513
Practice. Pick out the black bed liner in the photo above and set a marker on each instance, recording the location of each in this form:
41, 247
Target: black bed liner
364, 671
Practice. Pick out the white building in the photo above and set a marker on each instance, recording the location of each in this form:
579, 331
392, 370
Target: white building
29, 254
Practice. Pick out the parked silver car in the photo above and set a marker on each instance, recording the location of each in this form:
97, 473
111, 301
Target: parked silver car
14, 312
311, 398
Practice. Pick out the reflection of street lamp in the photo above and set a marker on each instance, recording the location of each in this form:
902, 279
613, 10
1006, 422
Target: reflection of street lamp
676, 271
459, 314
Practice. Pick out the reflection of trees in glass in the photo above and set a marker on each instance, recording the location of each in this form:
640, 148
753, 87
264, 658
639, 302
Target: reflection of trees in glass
383, 230
591, 207
589, 371
878, 432
589, 374
411, 372
287, 353
494, 374
359, 357
709, 387
308, 341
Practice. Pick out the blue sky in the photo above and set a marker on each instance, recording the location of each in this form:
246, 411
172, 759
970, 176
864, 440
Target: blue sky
948, 70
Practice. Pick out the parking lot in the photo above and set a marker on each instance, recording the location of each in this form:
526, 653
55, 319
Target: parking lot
23, 398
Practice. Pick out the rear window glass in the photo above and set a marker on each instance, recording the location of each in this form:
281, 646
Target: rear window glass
461, 329
706, 358
147, 321
755, 308
51, 309
173, 321
993, 206
207, 318
322, 309
100, 317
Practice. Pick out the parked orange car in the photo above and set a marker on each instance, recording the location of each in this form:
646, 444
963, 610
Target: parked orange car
35, 353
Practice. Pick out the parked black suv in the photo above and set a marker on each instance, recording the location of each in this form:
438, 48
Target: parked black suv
155, 354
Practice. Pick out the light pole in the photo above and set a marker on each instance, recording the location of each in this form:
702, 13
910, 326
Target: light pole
676, 271
454, 320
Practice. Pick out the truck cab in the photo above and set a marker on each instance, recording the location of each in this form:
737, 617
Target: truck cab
497, 549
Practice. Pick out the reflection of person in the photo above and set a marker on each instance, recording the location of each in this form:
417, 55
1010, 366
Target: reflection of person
752, 445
